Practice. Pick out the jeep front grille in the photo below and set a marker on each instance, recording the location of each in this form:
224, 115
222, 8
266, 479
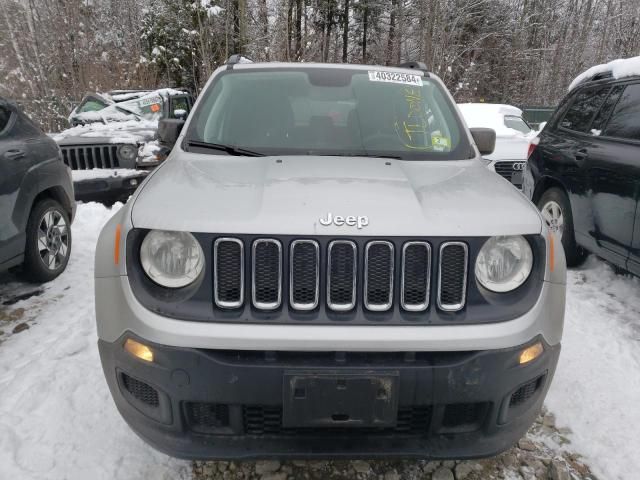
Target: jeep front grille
452, 276
90, 156
379, 275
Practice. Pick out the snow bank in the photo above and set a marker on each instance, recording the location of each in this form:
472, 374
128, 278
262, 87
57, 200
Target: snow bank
620, 68
57, 418
95, 173
596, 390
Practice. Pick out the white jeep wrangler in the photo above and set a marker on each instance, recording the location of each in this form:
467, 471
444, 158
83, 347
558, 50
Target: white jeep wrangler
324, 267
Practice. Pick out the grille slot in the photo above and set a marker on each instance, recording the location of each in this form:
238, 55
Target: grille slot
304, 274
94, 156
462, 414
416, 275
341, 275
267, 420
452, 276
206, 417
525, 392
378, 275
141, 391
228, 283
267, 274
505, 169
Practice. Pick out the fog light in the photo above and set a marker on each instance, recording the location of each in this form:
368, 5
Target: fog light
140, 351
531, 353
133, 182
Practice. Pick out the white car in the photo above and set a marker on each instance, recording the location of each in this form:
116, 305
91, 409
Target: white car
513, 135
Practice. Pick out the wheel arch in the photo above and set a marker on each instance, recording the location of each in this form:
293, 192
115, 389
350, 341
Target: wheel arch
56, 193
544, 184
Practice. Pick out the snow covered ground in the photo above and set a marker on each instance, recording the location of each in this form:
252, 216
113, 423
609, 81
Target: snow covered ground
57, 419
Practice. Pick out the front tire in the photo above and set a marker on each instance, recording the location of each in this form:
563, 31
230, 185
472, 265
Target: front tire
556, 211
48, 244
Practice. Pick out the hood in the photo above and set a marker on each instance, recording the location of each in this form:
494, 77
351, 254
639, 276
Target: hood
289, 195
131, 132
510, 148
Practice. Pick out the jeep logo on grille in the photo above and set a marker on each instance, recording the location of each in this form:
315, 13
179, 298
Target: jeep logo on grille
519, 166
351, 220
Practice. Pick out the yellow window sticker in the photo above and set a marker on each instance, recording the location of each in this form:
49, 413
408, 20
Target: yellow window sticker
440, 143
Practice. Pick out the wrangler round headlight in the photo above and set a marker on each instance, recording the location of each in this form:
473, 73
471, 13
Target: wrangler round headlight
504, 263
171, 259
127, 152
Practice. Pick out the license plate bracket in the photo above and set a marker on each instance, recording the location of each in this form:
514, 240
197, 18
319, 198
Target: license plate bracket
330, 399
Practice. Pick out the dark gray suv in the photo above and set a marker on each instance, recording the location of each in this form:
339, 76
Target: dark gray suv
36, 199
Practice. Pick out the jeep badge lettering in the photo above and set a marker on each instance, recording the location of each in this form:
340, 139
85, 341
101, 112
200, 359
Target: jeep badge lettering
360, 221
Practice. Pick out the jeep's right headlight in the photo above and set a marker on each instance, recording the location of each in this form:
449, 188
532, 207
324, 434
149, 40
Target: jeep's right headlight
504, 263
128, 153
171, 259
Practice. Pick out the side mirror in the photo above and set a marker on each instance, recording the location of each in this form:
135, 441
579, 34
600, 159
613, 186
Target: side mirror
169, 130
485, 139
180, 113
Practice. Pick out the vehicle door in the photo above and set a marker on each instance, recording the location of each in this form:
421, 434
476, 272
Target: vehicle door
12, 169
613, 163
565, 150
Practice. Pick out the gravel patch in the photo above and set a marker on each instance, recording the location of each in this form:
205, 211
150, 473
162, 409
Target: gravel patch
543, 454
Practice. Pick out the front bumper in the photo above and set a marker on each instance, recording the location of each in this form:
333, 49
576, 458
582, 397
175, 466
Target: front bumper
224, 404
108, 188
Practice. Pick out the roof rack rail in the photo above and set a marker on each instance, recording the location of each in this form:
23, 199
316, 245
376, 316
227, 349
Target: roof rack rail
601, 76
237, 58
414, 65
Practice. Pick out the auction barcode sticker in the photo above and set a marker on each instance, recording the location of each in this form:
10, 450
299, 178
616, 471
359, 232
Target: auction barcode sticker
145, 102
395, 77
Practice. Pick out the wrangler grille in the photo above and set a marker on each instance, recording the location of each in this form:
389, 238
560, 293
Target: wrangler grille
342, 272
91, 156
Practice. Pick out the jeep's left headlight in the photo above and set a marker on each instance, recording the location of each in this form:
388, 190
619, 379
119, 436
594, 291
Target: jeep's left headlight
504, 263
171, 259
128, 152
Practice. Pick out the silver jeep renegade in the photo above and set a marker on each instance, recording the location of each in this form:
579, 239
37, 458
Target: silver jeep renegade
323, 267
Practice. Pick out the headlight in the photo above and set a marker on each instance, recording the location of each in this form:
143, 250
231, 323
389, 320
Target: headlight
171, 259
504, 263
127, 152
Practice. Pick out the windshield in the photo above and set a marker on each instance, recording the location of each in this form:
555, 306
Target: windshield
322, 111
517, 123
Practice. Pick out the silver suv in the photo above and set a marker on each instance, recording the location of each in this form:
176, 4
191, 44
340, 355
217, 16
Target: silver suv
324, 267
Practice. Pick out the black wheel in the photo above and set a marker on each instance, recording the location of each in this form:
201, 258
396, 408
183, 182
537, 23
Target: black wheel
48, 243
556, 211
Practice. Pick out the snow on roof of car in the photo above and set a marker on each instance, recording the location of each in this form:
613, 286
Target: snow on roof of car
490, 115
620, 68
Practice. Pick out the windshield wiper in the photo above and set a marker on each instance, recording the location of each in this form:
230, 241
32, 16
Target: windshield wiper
371, 155
230, 149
